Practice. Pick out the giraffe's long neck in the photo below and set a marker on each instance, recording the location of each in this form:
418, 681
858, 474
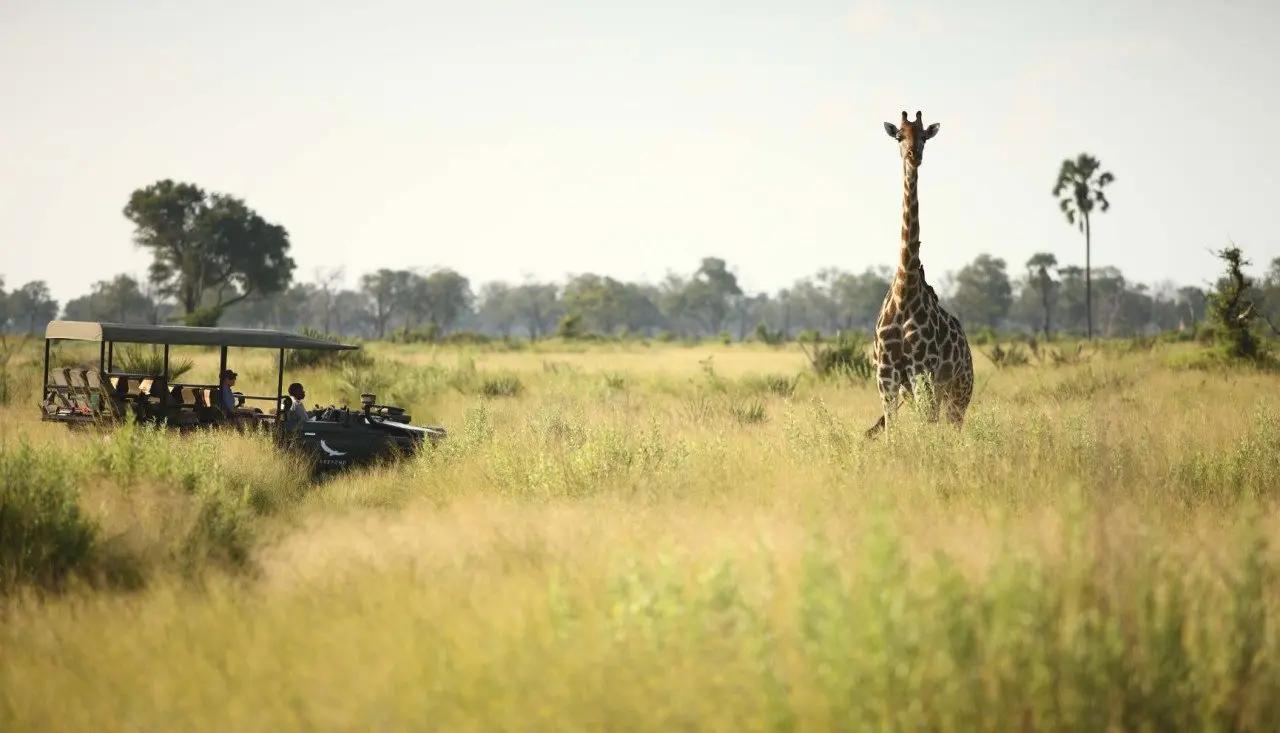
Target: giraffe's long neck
910, 274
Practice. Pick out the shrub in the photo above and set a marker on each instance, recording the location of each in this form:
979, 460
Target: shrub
504, 386
1014, 356
44, 537
136, 359
846, 356
312, 358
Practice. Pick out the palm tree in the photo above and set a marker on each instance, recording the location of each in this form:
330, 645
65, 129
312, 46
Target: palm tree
1038, 276
1083, 182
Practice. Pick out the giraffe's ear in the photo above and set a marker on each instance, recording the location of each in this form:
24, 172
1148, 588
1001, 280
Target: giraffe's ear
931, 130
891, 129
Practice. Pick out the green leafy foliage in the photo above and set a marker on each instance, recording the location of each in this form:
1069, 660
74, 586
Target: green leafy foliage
207, 244
845, 356
1232, 315
319, 359
138, 359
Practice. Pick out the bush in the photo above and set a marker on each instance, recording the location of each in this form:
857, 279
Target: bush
1013, 356
571, 327
314, 358
44, 537
155, 510
7, 352
846, 356
504, 386
135, 359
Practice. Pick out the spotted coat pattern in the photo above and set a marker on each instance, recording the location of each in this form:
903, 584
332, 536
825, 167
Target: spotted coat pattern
915, 336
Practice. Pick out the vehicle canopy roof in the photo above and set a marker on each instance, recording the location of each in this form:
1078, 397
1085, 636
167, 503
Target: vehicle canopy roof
254, 338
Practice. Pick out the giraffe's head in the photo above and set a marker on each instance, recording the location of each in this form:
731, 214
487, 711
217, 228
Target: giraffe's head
911, 136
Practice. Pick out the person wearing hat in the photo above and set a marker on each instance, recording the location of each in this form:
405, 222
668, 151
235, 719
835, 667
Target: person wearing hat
226, 399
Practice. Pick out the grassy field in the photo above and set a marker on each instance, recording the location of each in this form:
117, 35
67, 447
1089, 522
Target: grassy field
631, 537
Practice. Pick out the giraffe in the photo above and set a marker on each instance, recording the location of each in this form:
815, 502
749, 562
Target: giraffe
915, 335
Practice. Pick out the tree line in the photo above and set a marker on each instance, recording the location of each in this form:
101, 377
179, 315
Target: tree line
216, 261
1042, 297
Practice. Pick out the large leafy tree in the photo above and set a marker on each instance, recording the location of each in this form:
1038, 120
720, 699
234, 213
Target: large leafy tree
209, 250
983, 291
1079, 193
596, 299
387, 291
448, 296
540, 305
32, 306
712, 293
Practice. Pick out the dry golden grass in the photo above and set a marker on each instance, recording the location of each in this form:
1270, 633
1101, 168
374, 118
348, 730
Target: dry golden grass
617, 538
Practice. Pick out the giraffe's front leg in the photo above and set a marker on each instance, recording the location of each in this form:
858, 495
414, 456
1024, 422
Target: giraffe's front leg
890, 399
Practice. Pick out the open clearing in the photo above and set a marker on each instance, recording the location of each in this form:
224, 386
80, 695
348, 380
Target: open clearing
639, 538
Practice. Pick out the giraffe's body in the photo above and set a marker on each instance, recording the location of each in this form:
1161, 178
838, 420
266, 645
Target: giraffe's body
915, 336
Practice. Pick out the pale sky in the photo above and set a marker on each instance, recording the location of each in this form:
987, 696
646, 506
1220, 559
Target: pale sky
503, 138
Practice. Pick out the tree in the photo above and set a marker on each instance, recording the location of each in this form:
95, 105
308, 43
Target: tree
1269, 292
1194, 302
32, 306
1121, 306
861, 296
1039, 278
211, 244
328, 282
449, 296
596, 299
1232, 311
120, 299
351, 313
1079, 190
540, 305
983, 291
386, 290
497, 306
711, 294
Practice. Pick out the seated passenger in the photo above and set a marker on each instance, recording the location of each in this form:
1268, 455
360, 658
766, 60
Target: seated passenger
122, 393
156, 400
297, 411
227, 400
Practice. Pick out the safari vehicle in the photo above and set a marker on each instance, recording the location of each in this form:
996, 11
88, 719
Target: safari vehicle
101, 396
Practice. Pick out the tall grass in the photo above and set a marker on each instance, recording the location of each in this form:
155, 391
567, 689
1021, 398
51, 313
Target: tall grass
606, 546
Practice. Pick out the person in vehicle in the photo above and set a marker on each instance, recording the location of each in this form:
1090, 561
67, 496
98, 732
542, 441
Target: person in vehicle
122, 393
298, 410
154, 401
226, 399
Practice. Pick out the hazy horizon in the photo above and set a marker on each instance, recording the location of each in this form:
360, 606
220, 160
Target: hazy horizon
502, 140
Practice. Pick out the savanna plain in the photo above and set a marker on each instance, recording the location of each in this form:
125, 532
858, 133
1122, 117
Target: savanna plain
629, 536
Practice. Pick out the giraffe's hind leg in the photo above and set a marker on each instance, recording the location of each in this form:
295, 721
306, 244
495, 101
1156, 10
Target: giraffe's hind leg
955, 414
957, 404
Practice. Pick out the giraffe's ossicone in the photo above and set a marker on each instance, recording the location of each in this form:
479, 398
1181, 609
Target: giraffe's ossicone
916, 338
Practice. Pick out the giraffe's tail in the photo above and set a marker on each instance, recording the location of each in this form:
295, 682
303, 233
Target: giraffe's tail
878, 427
